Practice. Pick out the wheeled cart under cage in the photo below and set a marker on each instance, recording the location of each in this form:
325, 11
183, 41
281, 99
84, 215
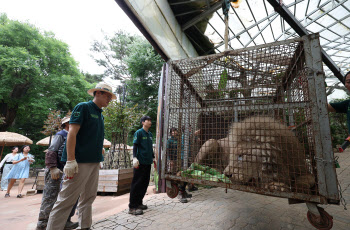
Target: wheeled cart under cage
253, 119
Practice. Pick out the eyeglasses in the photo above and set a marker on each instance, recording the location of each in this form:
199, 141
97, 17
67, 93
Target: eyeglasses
109, 96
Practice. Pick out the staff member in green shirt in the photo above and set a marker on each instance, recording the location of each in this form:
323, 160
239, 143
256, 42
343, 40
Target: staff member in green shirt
171, 147
82, 154
143, 157
343, 106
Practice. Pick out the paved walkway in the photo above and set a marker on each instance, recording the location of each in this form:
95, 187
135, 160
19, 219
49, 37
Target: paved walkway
22, 214
215, 209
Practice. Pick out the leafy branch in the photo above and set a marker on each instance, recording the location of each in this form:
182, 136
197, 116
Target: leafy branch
119, 120
53, 122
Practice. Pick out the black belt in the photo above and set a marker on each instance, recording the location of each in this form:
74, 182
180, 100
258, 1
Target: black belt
9, 163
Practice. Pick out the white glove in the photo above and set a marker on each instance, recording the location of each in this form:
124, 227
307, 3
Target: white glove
55, 173
70, 168
135, 162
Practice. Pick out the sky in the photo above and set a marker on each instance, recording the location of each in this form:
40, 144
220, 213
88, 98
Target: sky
75, 22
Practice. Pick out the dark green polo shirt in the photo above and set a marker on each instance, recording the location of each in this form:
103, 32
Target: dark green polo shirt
343, 107
90, 137
171, 147
144, 143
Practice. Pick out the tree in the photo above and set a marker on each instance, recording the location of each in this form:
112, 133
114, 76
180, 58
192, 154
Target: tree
144, 66
37, 72
133, 60
93, 78
37, 75
112, 53
52, 123
119, 120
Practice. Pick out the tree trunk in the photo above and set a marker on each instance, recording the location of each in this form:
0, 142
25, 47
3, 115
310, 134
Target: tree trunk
18, 92
9, 114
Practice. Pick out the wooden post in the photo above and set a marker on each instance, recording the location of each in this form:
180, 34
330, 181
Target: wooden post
226, 32
2, 150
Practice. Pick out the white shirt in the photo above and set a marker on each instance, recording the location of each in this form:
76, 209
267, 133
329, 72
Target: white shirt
8, 158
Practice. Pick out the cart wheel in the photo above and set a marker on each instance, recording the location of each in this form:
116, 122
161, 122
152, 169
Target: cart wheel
173, 191
325, 222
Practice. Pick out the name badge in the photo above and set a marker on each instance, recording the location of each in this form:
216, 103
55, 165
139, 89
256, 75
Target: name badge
94, 116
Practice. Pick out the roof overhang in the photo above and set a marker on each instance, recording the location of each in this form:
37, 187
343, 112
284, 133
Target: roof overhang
160, 27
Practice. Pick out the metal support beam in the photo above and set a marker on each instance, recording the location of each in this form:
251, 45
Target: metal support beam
184, 78
159, 126
200, 17
156, 21
333, 41
327, 182
268, 17
300, 29
260, 31
312, 20
250, 9
142, 29
184, 2
188, 12
166, 107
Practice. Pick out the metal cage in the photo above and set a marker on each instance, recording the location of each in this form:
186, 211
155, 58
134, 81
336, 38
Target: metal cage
253, 119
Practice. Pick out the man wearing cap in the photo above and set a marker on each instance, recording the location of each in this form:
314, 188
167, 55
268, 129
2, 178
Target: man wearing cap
53, 177
142, 160
83, 154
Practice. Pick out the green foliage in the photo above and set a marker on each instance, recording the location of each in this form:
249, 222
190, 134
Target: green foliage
112, 53
93, 78
120, 119
37, 75
37, 71
39, 162
223, 82
133, 60
145, 69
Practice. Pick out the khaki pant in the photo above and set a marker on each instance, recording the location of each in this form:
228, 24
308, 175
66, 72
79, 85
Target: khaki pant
84, 183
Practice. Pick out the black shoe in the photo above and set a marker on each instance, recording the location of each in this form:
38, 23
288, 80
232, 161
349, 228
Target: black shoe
183, 199
135, 211
187, 195
183, 196
19, 196
71, 225
40, 228
7, 195
41, 225
192, 188
142, 207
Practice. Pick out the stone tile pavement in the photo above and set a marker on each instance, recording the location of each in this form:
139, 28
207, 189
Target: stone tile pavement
215, 209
